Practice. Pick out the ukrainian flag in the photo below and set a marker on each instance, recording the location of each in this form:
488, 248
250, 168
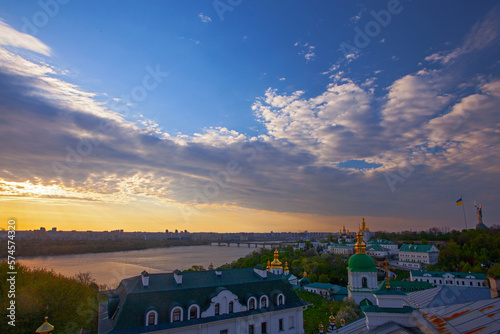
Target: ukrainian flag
459, 202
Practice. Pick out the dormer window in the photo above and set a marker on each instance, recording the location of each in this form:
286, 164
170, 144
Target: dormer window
151, 318
176, 314
281, 299
251, 304
193, 312
263, 302
217, 309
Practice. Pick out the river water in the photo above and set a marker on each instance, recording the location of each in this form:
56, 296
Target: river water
110, 268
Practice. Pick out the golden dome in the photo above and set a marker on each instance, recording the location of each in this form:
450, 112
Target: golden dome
360, 244
331, 319
268, 265
321, 327
342, 321
286, 266
276, 264
305, 274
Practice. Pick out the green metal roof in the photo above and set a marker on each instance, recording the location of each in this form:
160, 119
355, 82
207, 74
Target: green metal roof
416, 248
407, 286
384, 291
198, 287
337, 289
376, 248
421, 273
375, 308
361, 262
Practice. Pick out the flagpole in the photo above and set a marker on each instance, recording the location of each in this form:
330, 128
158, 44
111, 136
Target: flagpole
463, 208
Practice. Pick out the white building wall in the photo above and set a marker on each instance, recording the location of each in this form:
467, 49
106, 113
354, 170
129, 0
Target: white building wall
292, 324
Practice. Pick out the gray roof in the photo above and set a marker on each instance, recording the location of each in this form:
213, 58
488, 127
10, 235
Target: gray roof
481, 316
446, 295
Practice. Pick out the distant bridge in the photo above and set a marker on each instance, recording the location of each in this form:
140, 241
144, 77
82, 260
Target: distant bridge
255, 244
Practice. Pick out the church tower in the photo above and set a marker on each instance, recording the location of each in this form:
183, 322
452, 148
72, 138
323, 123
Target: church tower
276, 266
362, 272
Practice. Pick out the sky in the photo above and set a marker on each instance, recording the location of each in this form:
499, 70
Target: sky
257, 116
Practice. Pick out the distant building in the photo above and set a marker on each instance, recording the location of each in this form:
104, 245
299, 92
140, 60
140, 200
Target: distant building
327, 290
346, 235
417, 256
377, 251
301, 245
251, 300
391, 247
449, 278
341, 249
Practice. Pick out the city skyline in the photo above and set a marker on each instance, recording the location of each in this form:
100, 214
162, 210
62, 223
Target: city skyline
225, 117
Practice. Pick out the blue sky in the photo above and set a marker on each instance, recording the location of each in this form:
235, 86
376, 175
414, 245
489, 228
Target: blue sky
333, 101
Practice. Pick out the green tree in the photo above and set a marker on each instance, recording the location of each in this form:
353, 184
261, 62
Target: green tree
323, 278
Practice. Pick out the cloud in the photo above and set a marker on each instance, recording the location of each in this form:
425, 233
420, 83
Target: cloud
483, 34
306, 50
12, 37
54, 145
204, 18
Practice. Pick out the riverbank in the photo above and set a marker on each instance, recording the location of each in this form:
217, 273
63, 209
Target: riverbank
31, 248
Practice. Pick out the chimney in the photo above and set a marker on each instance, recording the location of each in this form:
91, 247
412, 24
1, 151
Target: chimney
145, 279
260, 270
178, 277
218, 272
494, 283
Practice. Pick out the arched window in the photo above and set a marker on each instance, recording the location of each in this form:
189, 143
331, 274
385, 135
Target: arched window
151, 318
364, 282
231, 307
193, 312
176, 314
281, 299
217, 309
251, 304
263, 301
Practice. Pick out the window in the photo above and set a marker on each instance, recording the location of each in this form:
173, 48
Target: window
281, 324
251, 329
176, 315
251, 304
263, 302
231, 307
292, 321
281, 300
263, 327
471, 284
364, 282
193, 312
224, 331
217, 309
151, 318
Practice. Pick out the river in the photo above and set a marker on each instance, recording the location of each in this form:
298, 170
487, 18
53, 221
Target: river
110, 268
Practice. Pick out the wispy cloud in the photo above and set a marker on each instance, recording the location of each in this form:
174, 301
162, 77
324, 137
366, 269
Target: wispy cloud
484, 34
306, 50
12, 37
204, 18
